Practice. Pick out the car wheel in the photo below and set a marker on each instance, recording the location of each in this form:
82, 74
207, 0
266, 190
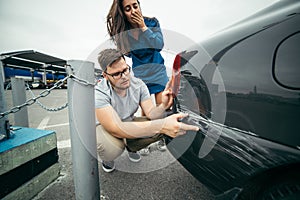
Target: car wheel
283, 187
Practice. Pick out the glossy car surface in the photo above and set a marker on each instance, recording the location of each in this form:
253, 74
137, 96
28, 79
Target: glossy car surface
242, 88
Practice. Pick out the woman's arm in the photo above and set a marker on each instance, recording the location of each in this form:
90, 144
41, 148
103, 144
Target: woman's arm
151, 34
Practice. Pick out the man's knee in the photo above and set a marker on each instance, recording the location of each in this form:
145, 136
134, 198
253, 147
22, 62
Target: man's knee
108, 146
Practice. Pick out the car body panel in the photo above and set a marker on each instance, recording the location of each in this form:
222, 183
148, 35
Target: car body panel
248, 118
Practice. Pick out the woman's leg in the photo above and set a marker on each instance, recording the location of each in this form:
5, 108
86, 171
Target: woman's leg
161, 145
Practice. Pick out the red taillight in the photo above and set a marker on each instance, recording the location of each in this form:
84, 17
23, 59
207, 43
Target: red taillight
175, 82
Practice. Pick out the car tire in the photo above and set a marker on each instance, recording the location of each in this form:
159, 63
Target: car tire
279, 186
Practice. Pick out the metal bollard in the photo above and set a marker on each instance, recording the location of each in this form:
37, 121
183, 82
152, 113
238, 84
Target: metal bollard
19, 97
3, 105
83, 132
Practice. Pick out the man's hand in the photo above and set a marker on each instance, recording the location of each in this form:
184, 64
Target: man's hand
173, 127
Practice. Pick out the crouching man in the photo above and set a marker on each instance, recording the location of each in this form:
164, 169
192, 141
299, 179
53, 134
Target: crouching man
117, 98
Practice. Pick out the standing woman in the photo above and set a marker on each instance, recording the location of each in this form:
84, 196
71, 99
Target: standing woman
141, 39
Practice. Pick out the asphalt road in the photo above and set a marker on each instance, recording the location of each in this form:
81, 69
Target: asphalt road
158, 175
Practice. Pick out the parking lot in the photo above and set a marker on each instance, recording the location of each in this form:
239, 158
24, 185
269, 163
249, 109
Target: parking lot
157, 176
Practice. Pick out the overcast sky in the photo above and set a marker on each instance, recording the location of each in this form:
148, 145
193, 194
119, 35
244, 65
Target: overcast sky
72, 29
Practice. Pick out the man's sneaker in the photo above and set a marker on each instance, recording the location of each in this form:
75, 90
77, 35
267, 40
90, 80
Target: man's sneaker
145, 151
161, 145
108, 166
134, 156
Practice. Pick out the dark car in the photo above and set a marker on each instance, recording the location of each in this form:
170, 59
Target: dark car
242, 88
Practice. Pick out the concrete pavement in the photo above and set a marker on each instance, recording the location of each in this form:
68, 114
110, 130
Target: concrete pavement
157, 176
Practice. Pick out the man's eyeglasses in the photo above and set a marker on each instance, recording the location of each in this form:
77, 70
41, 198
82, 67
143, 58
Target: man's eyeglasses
118, 75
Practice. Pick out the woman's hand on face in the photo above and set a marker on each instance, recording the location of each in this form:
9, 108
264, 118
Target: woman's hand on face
138, 18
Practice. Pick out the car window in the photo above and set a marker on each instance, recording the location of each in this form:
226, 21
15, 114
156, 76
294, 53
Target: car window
286, 64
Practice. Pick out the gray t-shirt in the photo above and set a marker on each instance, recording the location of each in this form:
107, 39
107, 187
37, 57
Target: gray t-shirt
126, 106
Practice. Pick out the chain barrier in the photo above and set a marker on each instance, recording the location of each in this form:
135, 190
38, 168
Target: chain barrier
81, 81
77, 79
45, 107
8, 86
31, 101
46, 92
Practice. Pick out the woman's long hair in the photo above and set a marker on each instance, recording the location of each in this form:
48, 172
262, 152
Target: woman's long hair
118, 26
